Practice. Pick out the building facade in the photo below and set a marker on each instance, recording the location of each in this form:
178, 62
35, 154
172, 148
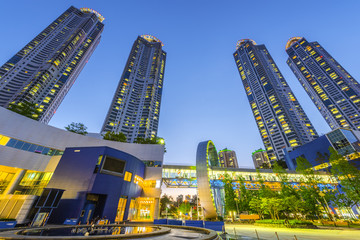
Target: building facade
261, 159
109, 184
46, 68
31, 151
335, 93
208, 177
228, 158
345, 141
135, 108
280, 119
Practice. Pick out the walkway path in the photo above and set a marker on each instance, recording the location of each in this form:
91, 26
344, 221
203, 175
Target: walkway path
266, 233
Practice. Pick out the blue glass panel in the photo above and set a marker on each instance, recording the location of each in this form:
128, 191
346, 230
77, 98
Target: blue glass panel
19, 144
39, 149
45, 151
26, 146
349, 135
11, 142
32, 148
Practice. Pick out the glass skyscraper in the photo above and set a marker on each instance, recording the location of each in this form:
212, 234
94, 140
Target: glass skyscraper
333, 90
46, 68
135, 107
281, 120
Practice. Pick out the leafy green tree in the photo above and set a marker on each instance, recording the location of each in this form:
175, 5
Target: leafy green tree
26, 109
282, 163
112, 136
294, 205
230, 197
272, 206
264, 190
255, 205
78, 128
265, 166
157, 140
310, 193
347, 174
165, 202
287, 193
245, 196
185, 207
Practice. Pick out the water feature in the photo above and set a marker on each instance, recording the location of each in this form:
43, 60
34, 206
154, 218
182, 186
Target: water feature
111, 231
88, 231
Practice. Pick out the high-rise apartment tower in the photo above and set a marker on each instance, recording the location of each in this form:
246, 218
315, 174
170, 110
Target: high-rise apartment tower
135, 107
46, 68
260, 159
281, 120
333, 90
227, 159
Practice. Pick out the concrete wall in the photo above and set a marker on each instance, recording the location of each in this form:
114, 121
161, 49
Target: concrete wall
28, 130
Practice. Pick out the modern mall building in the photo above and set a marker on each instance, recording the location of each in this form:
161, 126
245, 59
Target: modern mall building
207, 176
48, 174
100, 177
45, 69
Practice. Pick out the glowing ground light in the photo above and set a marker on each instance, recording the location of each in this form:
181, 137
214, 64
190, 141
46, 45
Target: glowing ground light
151, 38
291, 41
242, 41
89, 10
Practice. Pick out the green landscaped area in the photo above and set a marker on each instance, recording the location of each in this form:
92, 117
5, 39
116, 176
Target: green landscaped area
241, 231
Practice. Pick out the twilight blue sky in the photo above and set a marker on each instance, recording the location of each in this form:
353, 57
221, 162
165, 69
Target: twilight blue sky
203, 97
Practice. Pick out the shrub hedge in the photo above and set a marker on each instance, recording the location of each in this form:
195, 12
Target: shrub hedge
283, 223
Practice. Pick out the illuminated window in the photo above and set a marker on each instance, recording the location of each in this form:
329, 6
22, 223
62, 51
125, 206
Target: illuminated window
138, 180
128, 176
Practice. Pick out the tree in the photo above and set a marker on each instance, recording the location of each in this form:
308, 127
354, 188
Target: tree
27, 109
156, 140
245, 196
112, 136
165, 202
78, 128
291, 199
265, 165
230, 202
272, 206
282, 163
347, 174
310, 192
185, 208
255, 205
264, 190
294, 205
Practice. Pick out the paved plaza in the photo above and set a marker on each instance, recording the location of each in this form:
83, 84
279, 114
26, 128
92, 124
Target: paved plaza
268, 233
